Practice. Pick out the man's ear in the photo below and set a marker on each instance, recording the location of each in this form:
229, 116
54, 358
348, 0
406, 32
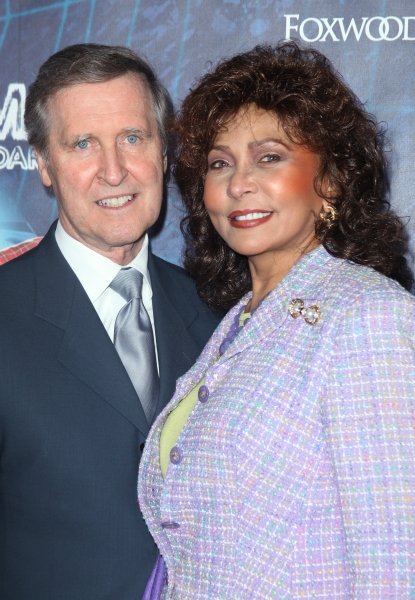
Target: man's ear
43, 171
165, 163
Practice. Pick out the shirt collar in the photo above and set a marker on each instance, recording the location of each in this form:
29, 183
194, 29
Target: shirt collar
94, 271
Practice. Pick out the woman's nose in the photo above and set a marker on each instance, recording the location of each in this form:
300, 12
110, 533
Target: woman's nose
241, 182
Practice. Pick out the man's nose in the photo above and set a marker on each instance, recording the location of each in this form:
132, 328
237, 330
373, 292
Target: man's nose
112, 169
241, 181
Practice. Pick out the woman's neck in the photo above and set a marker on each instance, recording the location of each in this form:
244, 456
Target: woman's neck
268, 271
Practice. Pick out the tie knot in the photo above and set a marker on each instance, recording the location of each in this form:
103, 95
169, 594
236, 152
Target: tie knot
128, 283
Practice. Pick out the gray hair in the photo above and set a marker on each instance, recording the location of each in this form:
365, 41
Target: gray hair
89, 63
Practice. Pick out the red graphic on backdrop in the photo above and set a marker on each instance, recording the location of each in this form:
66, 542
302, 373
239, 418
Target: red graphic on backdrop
14, 251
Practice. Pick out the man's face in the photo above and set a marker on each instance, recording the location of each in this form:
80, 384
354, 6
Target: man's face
105, 164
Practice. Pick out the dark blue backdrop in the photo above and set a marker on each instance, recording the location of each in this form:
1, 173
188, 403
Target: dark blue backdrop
372, 43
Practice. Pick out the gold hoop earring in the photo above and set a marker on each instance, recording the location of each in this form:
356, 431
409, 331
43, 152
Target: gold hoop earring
329, 216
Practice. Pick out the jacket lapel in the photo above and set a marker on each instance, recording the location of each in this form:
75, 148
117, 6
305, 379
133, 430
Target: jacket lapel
86, 349
267, 319
275, 308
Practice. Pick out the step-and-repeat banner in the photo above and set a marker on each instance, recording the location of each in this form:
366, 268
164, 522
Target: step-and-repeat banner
370, 42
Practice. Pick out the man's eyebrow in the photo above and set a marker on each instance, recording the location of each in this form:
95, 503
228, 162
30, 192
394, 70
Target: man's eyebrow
138, 131
75, 139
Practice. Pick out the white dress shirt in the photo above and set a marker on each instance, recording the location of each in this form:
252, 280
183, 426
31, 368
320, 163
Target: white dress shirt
96, 272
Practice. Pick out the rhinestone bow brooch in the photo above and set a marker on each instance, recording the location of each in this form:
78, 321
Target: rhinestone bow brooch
311, 314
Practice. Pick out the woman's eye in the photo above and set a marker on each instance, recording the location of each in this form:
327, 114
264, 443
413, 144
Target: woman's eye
218, 164
271, 158
132, 139
82, 144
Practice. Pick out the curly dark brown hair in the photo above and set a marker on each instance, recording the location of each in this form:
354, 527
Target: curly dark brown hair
317, 110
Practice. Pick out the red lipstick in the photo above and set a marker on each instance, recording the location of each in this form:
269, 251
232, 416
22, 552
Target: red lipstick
256, 219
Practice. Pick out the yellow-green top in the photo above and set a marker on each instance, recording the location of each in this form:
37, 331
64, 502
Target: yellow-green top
177, 418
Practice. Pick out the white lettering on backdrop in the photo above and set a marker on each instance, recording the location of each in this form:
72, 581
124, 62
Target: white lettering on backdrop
12, 126
376, 29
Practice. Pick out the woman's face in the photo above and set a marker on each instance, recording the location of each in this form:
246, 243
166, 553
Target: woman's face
259, 189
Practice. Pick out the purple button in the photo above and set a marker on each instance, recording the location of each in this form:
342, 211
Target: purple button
170, 525
224, 346
175, 455
203, 393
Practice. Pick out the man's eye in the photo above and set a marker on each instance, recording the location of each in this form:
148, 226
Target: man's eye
83, 144
132, 139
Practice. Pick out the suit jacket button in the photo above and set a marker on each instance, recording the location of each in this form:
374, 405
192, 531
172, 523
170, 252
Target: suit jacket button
175, 455
203, 393
170, 525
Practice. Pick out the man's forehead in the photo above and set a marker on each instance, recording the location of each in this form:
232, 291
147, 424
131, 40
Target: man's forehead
78, 109
129, 83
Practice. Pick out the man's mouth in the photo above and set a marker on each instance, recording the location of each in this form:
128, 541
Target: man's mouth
115, 202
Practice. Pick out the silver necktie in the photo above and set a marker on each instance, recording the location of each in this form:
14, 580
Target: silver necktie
134, 340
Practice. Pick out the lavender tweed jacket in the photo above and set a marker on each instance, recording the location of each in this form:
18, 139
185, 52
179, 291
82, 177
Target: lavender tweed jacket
296, 478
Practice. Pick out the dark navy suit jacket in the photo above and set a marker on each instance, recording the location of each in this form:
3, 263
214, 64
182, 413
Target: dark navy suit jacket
72, 430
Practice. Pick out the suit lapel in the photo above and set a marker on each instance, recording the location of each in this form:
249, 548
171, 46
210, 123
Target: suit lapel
86, 349
89, 354
175, 347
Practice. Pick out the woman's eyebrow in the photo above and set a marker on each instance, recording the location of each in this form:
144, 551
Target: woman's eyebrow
255, 143
273, 140
220, 147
